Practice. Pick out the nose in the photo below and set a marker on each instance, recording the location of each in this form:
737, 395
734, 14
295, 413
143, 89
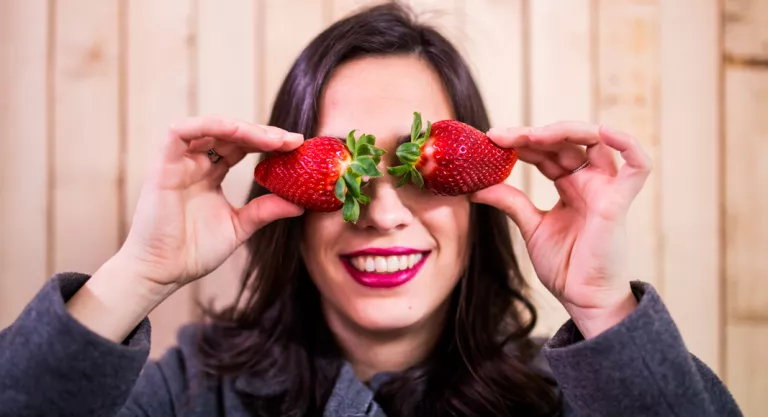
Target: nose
386, 212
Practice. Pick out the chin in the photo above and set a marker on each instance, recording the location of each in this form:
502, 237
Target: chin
384, 315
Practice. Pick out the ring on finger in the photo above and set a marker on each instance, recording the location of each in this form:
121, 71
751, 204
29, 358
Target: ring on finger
213, 156
580, 167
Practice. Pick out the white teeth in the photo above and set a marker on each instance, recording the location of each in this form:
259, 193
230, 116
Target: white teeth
385, 264
392, 264
370, 266
381, 263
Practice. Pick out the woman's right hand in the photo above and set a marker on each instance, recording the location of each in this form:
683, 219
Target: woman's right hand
184, 227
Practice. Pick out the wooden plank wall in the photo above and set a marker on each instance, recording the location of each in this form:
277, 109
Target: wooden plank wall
745, 109
87, 90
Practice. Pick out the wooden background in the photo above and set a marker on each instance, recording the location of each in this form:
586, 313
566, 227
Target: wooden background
88, 87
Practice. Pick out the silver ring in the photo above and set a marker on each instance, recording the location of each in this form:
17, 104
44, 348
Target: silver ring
213, 156
580, 167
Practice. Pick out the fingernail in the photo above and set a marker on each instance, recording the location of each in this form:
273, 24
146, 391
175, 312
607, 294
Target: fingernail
296, 136
274, 134
492, 131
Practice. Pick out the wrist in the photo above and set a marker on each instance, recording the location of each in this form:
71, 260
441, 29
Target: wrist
593, 321
116, 299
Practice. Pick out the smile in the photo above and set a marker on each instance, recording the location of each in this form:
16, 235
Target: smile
384, 264
384, 267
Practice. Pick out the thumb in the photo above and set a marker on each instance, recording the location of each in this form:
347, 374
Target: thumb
513, 202
263, 210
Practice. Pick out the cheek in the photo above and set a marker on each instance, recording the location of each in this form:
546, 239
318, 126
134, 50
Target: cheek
319, 239
447, 220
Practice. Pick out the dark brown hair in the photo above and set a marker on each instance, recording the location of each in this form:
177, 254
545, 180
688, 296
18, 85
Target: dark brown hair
483, 363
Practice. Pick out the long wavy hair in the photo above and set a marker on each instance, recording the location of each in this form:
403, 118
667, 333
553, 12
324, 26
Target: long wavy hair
482, 364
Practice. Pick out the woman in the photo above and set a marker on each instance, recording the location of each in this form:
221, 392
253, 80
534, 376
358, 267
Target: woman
306, 338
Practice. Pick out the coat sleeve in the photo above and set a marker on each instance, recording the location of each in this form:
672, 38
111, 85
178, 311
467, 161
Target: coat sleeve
640, 367
53, 365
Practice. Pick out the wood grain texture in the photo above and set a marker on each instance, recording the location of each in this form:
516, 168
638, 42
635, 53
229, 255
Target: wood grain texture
226, 84
746, 30
343, 8
688, 174
24, 43
283, 42
745, 107
627, 88
561, 84
161, 90
447, 16
495, 51
746, 201
86, 148
747, 367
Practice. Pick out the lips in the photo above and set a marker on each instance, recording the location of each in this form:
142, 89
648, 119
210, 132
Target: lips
384, 267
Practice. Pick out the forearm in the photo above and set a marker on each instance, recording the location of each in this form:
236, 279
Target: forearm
640, 366
52, 364
115, 300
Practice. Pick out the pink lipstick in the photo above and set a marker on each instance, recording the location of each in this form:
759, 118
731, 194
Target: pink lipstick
384, 279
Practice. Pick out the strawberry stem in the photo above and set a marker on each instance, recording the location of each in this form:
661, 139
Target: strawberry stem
409, 154
365, 158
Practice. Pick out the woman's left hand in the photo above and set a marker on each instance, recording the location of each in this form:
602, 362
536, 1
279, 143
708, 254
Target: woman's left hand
579, 247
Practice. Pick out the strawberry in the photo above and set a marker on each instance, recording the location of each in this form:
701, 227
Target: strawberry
323, 174
452, 158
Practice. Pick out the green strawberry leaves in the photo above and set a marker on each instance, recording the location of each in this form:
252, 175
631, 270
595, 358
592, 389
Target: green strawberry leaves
365, 158
409, 154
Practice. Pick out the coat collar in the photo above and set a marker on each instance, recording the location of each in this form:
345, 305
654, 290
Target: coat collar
349, 397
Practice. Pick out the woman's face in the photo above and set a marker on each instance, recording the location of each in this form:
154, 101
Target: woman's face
397, 266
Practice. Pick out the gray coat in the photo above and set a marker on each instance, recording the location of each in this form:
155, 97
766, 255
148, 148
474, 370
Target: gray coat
52, 366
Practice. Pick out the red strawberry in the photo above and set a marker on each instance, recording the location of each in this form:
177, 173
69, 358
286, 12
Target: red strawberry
452, 158
323, 174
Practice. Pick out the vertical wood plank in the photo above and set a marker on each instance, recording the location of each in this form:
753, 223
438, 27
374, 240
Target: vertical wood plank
226, 84
161, 46
746, 29
86, 140
747, 367
495, 50
688, 172
561, 88
746, 200
341, 8
627, 85
24, 43
283, 42
746, 130
447, 16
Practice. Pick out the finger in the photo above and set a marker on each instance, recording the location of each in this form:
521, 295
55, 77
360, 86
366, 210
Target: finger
601, 156
512, 137
263, 138
629, 147
230, 153
201, 145
635, 171
577, 133
262, 210
544, 161
513, 202
570, 157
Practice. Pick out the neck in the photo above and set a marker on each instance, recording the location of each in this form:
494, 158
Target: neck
371, 352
